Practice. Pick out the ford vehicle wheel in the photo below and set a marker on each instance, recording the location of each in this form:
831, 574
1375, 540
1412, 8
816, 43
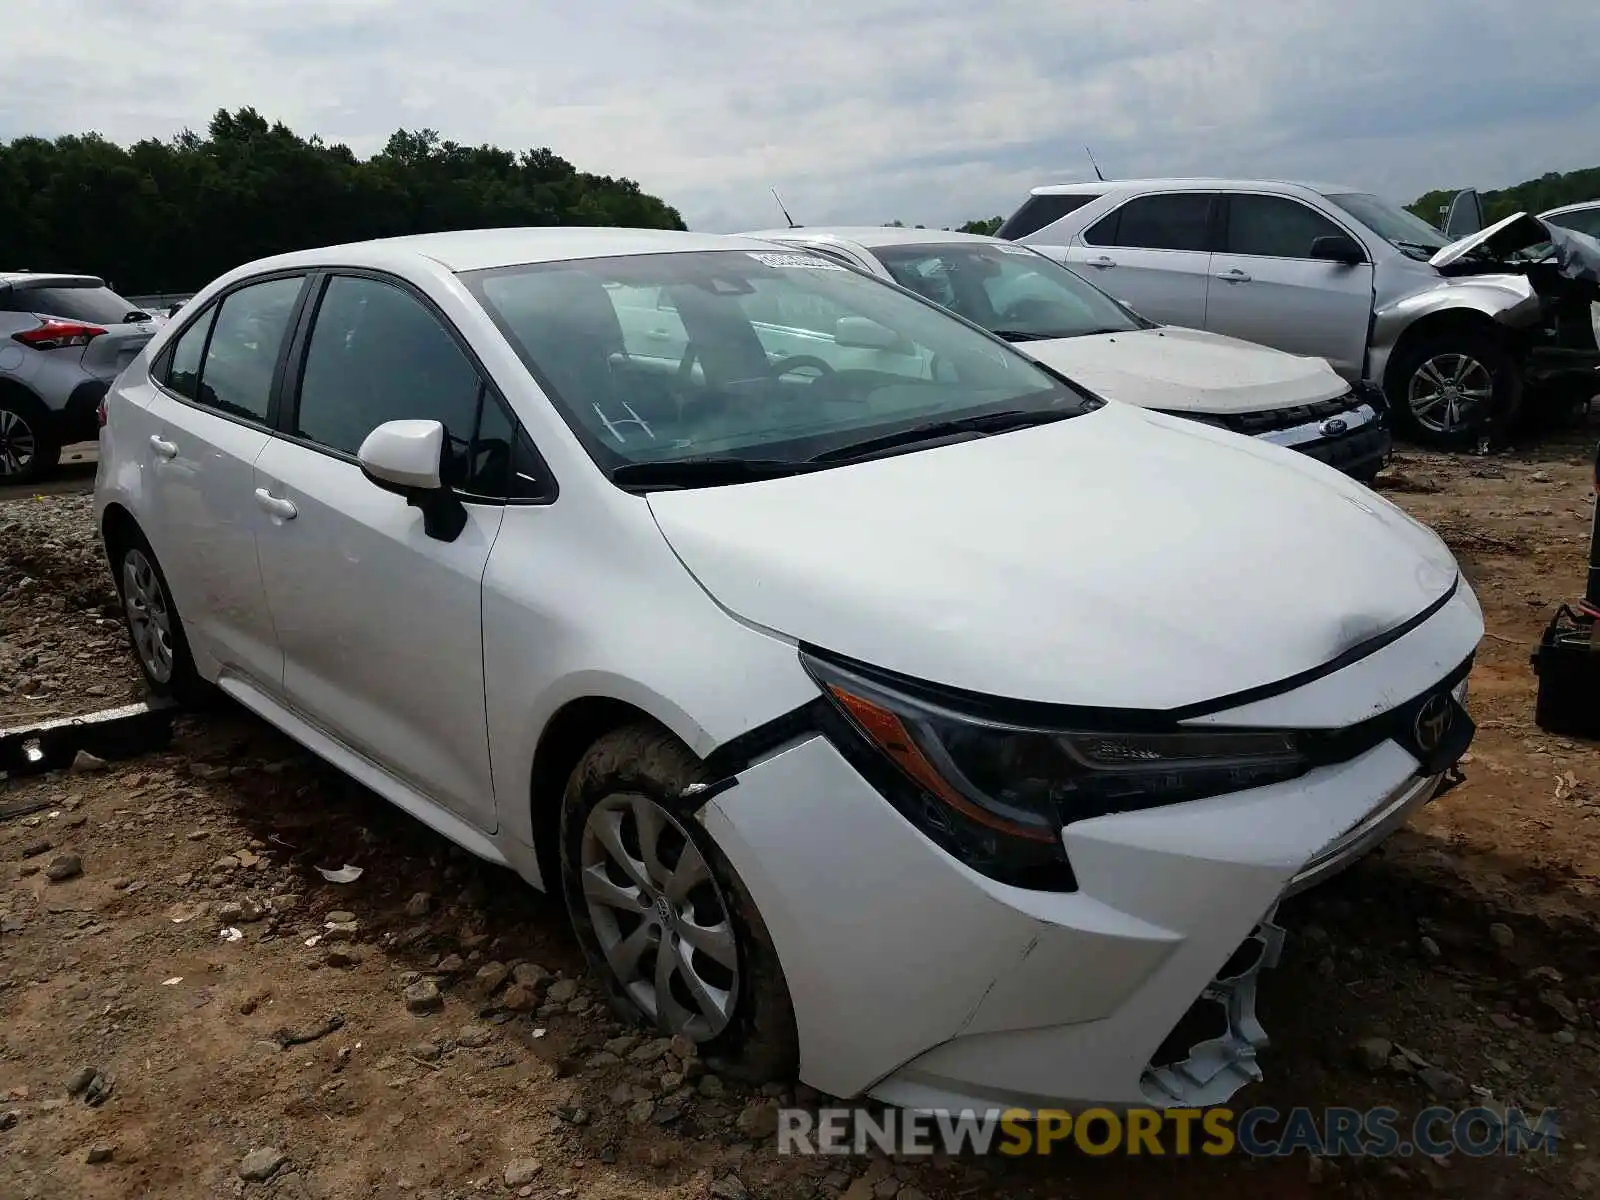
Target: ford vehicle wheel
666, 924
1451, 389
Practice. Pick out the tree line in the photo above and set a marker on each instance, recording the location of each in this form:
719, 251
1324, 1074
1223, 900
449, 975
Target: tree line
172, 215
1550, 190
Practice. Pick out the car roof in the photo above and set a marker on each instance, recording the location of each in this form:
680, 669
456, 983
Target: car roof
1098, 187
1566, 208
871, 235
482, 249
11, 279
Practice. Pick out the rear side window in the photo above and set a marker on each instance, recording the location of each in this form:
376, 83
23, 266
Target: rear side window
94, 305
1169, 221
236, 377
1038, 211
1274, 227
181, 373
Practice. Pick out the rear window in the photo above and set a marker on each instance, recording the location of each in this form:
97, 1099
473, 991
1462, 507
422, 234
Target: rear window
98, 305
1037, 212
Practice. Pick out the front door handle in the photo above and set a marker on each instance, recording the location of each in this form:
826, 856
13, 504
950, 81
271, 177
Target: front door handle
1102, 262
1234, 276
275, 505
163, 447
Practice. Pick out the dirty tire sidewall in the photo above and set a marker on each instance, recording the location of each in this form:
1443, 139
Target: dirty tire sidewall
1493, 356
760, 1044
47, 444
185, 685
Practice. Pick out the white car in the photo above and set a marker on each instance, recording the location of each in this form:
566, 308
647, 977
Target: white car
887, 712
1057, 317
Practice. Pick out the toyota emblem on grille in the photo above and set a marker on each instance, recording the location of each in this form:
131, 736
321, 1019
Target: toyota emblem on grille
1334, 426
1432, 723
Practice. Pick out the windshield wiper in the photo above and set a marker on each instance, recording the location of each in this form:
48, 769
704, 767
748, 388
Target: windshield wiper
707, 471
1022, 335
995, 422
136, 315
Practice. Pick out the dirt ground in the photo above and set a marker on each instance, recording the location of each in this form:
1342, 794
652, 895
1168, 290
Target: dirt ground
200, 937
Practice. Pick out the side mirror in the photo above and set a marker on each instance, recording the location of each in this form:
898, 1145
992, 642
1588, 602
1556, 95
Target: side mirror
408, 459
863, 333
1338, 248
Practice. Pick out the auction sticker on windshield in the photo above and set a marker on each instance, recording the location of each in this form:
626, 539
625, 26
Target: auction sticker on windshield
803, 261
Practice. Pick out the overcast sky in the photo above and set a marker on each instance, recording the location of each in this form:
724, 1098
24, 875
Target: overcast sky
931, 111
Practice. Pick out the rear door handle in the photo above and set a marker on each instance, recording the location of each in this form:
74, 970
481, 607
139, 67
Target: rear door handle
163, 447
275, 505
1234, 276
1102, 262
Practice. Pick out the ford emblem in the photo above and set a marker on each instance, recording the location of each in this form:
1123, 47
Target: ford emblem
1334, 427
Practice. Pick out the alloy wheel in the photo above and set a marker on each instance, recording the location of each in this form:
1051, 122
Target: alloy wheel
18, 443
660, 916
1450, 391
149, 615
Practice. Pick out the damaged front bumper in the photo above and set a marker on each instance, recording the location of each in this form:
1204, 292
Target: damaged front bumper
925, 985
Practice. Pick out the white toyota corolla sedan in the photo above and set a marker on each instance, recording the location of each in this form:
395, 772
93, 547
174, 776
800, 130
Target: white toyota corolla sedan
888, 711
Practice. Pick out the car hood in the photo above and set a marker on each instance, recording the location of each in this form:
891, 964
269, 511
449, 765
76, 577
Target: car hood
1188, 371
1500, 240
1123, 558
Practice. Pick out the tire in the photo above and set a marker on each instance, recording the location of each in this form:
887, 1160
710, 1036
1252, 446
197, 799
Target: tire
751, 1036
30, 445
145, 597
1477, 365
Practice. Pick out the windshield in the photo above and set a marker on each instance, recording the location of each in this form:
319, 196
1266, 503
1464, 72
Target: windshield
99, 305
1393, 224
1010, 290
773, 357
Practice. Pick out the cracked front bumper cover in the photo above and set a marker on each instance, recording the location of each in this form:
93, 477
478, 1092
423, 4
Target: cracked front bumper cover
1218, 1067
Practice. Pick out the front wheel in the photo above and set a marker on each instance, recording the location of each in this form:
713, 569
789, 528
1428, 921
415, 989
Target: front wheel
664, 920
1452, 389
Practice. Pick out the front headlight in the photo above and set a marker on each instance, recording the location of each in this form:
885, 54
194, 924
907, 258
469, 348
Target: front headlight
997, 795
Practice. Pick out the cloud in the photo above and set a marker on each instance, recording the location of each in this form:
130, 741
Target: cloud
931, 111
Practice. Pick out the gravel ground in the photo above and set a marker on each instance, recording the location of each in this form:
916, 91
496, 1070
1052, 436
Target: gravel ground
192, 1010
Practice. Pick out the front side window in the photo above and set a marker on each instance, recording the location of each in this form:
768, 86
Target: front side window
378, 354
1169, 221
1274, 227
786, 356
246, 338
1014, 292
1404, 230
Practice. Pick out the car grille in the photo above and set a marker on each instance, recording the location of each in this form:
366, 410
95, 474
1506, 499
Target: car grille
1253, 424
1351, 449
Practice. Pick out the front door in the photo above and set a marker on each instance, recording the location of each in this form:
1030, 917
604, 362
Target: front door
1266, 287
381, 625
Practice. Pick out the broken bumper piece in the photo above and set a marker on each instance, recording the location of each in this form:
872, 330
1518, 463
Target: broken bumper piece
1218, 1067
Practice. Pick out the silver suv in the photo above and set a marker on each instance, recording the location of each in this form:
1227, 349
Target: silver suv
1450, 330
63, 339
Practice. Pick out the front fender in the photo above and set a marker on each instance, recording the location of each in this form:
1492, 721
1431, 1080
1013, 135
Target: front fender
1509, 300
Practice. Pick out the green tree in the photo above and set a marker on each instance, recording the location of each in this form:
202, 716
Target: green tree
988, 227
172, 215
1550, 190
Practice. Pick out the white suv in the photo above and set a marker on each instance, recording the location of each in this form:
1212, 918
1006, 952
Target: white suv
1452, 331
885, 710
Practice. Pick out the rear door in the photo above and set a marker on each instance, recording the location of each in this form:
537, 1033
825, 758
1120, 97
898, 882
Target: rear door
1154, 254
1265, 286
208, 421
381, 625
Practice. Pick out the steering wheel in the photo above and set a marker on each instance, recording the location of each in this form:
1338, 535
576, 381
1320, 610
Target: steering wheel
794, 362
1030, 310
